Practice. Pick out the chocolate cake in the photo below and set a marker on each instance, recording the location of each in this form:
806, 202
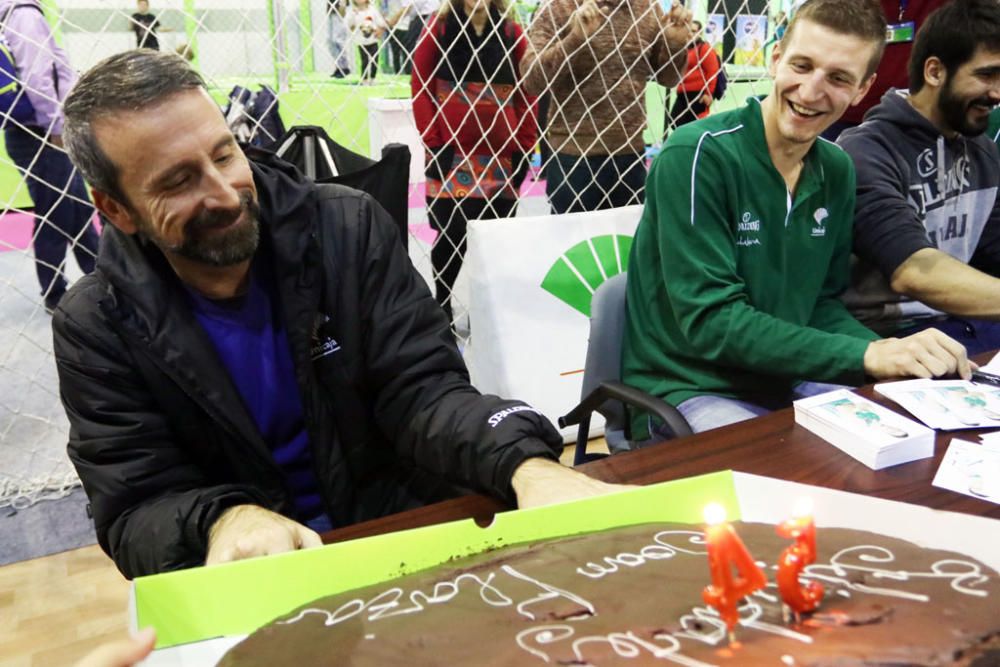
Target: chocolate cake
632, 596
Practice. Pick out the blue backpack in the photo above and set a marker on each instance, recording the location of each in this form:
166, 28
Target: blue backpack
14, 102
721, 82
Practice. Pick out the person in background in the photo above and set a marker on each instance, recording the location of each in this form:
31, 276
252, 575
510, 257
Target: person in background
743, 246
146, 27
594, 60
63, 211
927, 221
904, 18
396, 38
415, 15
780, 26
367, 26
477, 125
693, 96
338, 38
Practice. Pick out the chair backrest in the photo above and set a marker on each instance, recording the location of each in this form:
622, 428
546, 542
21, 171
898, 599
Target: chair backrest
604, 353
322, 159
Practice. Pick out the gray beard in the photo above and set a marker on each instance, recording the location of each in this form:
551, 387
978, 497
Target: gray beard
218, 250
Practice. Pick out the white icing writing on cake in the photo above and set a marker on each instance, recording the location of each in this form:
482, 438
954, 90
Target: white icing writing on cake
550, 593
387, 603
661, 550
704, 624
624, 644
849, 569
963, 579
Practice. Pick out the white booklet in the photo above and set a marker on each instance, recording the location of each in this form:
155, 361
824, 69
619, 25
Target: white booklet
947, 404
970, 469
874, 435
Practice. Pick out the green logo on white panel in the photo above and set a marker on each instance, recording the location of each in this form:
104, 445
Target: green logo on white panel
575, 276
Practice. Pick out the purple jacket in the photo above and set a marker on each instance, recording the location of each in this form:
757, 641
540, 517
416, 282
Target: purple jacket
42, 65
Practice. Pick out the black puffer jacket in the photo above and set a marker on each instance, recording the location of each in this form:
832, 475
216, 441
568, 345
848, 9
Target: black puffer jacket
160, 436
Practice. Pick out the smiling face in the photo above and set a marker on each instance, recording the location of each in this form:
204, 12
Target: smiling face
967, 96
817, 73
188, 186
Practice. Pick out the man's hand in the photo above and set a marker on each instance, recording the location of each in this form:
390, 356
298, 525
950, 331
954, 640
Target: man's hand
927, 354
121, 653
675, 26
540, 482
706, 100
585, 21
247, 531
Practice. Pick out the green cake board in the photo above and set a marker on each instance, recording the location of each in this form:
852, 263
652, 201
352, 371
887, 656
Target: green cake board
237, 598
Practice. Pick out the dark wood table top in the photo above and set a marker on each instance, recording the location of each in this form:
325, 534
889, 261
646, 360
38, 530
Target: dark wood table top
772, 445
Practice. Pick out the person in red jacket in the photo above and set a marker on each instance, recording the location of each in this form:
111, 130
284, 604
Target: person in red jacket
694, 92
477, 125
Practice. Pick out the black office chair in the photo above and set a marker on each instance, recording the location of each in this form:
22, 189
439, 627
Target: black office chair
603, 392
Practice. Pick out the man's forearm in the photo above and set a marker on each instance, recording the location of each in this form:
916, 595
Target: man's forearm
940, 281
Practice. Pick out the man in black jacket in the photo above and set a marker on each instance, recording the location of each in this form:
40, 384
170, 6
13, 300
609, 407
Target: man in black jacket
255, 358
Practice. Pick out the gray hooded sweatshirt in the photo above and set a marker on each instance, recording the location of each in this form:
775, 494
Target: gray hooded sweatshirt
916, 189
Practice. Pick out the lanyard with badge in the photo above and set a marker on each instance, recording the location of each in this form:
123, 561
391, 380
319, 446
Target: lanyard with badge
901, 31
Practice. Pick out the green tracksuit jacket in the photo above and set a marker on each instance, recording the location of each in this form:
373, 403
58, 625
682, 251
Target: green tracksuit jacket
733, 284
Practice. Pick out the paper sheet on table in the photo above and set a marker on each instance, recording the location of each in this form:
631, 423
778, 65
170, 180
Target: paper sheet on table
947, 404
970, 469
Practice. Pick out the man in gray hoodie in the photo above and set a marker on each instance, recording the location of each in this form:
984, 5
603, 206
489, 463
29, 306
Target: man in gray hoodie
927, 227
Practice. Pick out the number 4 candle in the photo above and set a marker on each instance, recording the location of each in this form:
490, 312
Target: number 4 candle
726, 551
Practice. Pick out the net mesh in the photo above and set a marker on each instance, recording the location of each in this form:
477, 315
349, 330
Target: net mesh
485, 142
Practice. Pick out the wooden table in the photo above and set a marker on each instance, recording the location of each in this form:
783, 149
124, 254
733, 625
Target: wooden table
772, 445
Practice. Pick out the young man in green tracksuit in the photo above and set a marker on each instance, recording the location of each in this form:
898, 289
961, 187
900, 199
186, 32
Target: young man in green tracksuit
744, 243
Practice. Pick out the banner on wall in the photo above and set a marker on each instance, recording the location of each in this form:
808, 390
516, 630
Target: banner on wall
531, 282
751, 34
715, 28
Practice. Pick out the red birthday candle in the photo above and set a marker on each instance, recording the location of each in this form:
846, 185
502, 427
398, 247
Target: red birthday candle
799, 597
726, 553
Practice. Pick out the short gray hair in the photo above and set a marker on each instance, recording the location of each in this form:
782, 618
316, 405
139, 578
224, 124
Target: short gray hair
129, 81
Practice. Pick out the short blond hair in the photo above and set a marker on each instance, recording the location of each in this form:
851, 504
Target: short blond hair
858, 18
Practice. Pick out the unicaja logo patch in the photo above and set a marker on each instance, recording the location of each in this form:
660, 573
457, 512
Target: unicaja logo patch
576, 275
820, 215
